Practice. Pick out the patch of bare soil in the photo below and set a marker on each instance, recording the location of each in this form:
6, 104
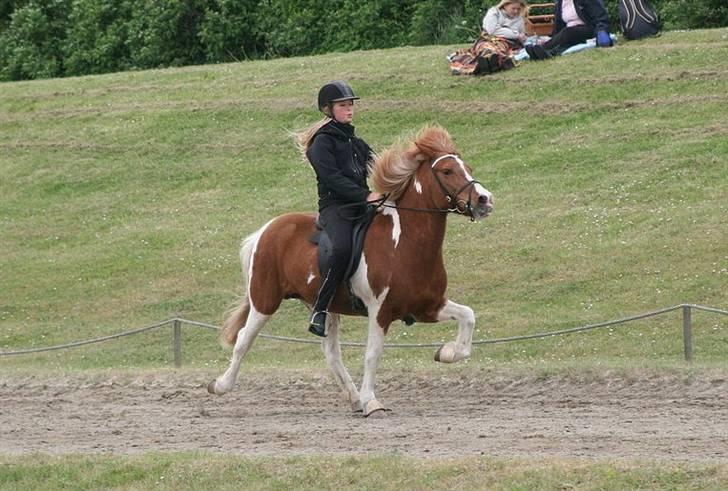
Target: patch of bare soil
644, 416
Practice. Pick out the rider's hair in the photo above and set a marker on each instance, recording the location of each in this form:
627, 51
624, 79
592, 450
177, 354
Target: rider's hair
304, 138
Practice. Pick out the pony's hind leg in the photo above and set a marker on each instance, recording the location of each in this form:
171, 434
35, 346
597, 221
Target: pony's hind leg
332, 350
246, 336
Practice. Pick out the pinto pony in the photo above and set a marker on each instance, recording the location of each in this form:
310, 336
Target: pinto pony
400, 275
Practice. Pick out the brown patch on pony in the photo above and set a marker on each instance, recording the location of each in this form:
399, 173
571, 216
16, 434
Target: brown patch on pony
394, 168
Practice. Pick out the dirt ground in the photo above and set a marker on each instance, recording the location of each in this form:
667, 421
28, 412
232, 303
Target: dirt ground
638, 416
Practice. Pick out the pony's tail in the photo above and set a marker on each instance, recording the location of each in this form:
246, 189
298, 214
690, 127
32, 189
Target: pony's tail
237, 315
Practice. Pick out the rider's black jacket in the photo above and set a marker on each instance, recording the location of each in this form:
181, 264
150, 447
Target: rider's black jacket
340, 160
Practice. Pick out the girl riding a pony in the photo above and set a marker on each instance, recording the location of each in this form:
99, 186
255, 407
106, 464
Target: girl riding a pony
340, 160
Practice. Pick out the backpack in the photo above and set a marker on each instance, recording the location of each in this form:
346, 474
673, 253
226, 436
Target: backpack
638, 19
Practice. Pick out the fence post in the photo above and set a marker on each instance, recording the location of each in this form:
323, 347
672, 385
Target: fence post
177, 341
688, 333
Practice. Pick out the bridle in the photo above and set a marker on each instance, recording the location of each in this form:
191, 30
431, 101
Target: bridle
451, 197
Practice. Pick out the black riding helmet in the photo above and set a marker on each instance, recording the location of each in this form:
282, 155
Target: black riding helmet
335, 91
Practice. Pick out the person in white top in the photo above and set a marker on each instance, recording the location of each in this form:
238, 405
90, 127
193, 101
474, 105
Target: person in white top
506, 20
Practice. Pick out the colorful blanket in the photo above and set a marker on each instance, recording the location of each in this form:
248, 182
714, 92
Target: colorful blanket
488, 54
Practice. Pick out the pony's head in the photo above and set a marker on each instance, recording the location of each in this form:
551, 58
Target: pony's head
431, 166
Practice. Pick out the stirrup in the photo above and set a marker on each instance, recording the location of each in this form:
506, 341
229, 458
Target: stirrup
318, 323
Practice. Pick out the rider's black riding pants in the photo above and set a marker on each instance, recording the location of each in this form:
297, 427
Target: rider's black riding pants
338, 222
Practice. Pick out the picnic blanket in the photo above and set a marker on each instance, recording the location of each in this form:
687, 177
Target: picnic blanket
488, 54
522, 55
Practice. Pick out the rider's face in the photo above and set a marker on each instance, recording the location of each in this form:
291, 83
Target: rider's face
343, 111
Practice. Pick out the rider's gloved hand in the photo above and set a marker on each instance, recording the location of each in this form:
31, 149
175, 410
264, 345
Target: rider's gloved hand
604, 40
375, 200
374, 196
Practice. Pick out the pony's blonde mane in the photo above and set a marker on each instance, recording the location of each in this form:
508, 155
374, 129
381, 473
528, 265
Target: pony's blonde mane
393, 169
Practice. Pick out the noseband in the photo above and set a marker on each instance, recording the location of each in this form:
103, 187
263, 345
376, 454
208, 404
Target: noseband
452, 197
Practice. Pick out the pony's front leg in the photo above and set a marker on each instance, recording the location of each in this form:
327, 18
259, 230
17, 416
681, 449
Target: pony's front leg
459, 349
375, 346
332, 350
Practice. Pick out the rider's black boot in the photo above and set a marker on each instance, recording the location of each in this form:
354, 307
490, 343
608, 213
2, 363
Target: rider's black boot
318, 324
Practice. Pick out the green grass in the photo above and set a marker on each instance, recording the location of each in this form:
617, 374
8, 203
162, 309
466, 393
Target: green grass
394, 472
124, 197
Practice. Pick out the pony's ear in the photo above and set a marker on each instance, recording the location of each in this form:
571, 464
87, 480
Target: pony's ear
415, 154
433, 141
420, 152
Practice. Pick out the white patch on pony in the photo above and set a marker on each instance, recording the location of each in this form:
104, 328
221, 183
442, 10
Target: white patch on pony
477, 187
362, 289
459, 349
375, 336
396, 226
247, 335
310, 278
418, 186
247, 255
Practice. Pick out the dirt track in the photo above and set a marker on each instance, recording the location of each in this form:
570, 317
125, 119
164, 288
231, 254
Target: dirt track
640, 416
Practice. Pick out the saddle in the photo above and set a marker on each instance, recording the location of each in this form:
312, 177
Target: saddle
321, 238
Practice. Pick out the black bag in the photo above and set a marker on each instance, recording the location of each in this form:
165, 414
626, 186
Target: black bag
638, 19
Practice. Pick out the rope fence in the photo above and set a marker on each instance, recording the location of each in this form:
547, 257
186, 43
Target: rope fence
178, 322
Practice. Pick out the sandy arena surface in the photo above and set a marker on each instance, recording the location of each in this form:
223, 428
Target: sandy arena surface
639, 416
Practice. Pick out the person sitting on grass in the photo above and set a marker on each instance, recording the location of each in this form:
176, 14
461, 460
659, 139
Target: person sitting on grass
503, 34
506, 20
575, 21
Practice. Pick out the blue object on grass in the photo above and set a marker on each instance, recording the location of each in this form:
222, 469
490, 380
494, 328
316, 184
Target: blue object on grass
603, 39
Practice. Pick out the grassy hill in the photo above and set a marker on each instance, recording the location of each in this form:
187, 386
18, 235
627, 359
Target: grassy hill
124, 198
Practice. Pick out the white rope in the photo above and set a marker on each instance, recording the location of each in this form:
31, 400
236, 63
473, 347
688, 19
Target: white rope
88, 341
361, 345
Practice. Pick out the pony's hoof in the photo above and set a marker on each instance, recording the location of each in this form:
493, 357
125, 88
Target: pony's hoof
353, 400
446, 354
373, 409
211, 388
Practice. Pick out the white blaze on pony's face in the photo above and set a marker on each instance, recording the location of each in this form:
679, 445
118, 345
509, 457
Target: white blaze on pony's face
456, 182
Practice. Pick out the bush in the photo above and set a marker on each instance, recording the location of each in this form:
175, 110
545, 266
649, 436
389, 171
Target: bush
29, 47
692, 14
165, 33
96, 41
229, 31
292, 28
46, 38
368, 25
446, 21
